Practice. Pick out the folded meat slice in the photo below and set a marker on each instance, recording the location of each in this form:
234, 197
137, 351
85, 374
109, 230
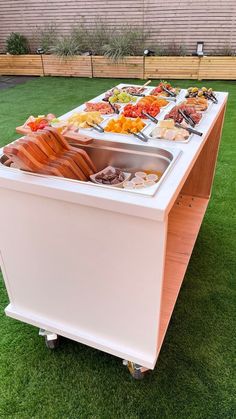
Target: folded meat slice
170, 134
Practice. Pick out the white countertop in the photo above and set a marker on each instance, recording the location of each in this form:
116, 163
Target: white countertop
153, 207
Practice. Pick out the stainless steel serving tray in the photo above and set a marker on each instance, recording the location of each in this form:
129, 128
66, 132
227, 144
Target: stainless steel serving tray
129, 157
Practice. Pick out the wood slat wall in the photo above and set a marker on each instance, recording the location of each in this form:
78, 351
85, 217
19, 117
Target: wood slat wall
182, 21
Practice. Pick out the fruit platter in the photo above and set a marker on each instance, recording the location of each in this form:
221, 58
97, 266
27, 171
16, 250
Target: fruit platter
119, 96
148, 104
35, 123
202, 92
42, 122
165, 89
123, 125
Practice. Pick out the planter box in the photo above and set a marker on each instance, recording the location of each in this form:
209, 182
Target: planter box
129, 67
76, 66
223, 68
21, 65
171, 67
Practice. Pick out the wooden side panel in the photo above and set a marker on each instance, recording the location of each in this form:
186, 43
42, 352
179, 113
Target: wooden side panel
199, 181
72, 66
21, 65
130, 67
171, 67
184, 222
223, 68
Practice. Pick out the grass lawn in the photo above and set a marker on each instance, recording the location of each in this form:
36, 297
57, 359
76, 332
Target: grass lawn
195, 374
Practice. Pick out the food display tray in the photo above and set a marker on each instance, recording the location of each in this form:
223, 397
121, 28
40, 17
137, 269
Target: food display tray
70, 136
145, 121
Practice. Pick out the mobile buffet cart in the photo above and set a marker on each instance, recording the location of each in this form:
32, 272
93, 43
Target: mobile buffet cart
101, 265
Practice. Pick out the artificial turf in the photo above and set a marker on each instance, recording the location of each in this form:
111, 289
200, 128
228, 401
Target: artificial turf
195, 373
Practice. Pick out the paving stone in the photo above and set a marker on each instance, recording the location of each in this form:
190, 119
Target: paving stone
11, 81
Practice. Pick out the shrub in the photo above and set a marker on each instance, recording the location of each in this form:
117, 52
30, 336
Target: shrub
99, 36
81, 36
48, 37
65, 46
91, 40
224, 51
17, 44
173, 49
124, 42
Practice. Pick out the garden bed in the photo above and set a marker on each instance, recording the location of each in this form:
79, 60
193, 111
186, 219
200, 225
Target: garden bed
129, 67
171, 67
21, 65
222, 68
77, 66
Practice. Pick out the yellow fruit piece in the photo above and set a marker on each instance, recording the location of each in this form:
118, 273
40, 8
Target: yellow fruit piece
123, 125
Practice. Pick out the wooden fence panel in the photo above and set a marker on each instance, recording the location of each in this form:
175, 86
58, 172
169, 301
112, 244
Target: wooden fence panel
76, 66
21, 65
171, 67
130, 67
220, 68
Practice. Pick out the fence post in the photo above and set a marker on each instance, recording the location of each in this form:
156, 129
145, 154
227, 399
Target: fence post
199, 69
41, 55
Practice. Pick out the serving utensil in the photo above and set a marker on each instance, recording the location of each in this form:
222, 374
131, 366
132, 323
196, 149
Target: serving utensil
150, 117
141, 136
115, 109
97, 127
169, 91
188, 119
138, 94
144, 85
171, 98
190, 130
211, 97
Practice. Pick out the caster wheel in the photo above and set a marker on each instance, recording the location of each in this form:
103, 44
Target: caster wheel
51, 339
137, 371
51, 344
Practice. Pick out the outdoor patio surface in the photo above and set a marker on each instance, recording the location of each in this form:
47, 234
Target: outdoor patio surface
195, 374
11, 81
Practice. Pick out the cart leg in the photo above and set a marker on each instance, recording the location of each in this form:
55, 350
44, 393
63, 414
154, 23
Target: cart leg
51, 339
137, 371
